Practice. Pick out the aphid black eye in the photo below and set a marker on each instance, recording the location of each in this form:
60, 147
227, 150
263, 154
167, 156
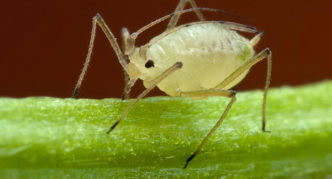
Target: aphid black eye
149, 64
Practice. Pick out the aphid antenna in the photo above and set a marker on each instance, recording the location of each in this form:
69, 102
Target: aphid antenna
155, 22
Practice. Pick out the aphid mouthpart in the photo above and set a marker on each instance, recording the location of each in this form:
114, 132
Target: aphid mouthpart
149, 64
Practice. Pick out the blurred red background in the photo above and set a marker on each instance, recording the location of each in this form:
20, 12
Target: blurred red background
44, 43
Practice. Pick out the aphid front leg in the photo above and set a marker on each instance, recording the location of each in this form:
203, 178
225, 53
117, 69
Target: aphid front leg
128, 85
154, 83
210, 92
266, 53
98, 20
174, 20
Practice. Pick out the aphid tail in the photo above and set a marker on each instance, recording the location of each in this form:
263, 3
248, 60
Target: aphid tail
256, 39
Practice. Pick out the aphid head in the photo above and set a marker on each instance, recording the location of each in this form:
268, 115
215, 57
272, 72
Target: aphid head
140, 66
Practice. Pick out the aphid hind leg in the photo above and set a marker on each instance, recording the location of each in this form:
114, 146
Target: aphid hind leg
265, 54
204, 93
154, 83
182, 3
98, 20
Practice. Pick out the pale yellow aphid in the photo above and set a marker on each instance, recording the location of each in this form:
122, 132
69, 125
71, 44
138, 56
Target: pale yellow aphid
208, 52
199, 59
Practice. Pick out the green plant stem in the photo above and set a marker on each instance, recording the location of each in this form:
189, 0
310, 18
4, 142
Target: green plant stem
42, 137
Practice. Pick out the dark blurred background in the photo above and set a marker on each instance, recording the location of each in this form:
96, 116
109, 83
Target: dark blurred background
44, 43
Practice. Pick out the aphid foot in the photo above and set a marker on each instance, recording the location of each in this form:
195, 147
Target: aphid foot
188, 160
123, 97
113, 126
75, 92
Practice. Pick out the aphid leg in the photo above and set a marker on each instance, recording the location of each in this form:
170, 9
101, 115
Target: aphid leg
98, 20
174, 20
154, 83
266, 53
129, 84
211, 92
266, 89
128, 46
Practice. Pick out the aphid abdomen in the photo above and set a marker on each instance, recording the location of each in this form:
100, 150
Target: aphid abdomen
209, 53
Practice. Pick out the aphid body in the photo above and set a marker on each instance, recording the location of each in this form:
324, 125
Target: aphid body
209, 53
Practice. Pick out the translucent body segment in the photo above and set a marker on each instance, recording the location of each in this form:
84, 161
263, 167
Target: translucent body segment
209, 53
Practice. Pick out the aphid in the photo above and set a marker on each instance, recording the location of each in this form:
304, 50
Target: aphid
198, 59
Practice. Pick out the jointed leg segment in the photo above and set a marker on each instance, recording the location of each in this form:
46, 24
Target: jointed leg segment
228, 93
266, 53
154, 83
98, 20
128, 85
174, 20
211, 92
